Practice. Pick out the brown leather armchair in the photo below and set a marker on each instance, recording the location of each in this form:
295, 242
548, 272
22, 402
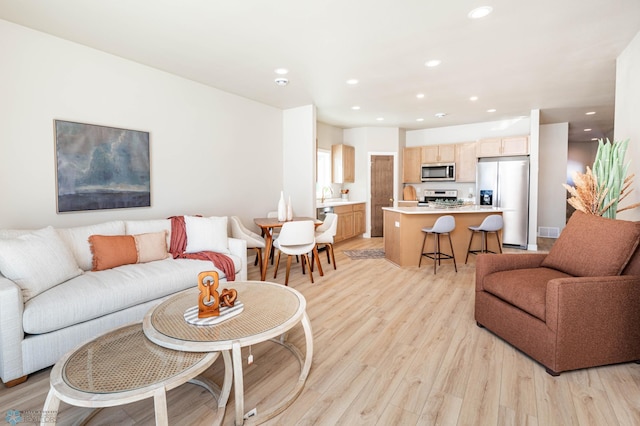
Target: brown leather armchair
576, 307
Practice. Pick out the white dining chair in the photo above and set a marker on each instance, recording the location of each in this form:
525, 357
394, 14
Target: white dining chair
296, 239
254, 241
324, 236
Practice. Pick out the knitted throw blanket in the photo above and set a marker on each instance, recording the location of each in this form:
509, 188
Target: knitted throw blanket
179, 245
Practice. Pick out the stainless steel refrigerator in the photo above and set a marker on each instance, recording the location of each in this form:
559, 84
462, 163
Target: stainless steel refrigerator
504, 182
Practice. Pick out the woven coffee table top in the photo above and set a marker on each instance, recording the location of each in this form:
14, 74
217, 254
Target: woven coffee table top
266, 307
124, 360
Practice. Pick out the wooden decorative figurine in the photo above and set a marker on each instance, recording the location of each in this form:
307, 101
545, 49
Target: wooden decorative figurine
228, 297
208, 299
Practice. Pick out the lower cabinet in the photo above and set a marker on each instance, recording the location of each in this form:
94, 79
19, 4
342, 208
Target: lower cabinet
351, 221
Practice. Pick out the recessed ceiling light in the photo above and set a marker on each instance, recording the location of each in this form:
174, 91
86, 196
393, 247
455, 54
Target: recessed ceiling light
281, 81
419, 119
587, 130
440, 114
480, 12
491, 110
590, 113
432, 63
380, 118
352, 81
594, 139
355, 107
473, 98
420, 95
281, 71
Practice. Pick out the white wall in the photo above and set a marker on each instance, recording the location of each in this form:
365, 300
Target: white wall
328, 135
468, 132
553, 153
627, 124
299, 154
371, 141
212, 153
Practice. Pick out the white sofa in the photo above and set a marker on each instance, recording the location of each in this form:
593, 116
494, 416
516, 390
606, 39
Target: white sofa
55, 301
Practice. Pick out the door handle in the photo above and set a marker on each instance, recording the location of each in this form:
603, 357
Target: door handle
391, 200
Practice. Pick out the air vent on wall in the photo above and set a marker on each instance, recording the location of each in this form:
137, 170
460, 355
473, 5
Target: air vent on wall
548, 232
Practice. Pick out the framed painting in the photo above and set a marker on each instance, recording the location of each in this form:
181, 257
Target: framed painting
99, 167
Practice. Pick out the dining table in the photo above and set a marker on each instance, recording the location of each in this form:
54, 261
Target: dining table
267, 226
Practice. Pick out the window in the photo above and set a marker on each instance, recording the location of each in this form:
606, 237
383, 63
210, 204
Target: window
324, 171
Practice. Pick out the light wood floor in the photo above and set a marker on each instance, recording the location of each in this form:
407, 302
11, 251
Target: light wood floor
392, 347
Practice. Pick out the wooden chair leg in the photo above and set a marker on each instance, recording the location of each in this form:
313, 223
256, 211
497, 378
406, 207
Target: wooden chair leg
286, 280
305, 258
275, 273
333, 257
258, 257
499, 244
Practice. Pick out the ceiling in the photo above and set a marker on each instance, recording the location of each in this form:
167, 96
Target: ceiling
556, 56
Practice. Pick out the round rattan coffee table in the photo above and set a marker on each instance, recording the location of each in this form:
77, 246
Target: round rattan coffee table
123, 366
270, 310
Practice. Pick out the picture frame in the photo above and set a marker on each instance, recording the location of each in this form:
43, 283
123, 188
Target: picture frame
100, 167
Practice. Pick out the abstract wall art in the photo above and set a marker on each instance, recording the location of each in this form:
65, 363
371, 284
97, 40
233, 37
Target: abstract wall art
99, 167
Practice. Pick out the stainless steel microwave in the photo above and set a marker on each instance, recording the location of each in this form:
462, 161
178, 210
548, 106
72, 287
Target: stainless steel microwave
438, 171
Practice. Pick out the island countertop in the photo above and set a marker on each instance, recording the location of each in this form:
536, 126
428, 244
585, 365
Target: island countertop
403, 236
443, 210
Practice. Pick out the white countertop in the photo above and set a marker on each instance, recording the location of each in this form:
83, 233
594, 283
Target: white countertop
435, 210
333, 202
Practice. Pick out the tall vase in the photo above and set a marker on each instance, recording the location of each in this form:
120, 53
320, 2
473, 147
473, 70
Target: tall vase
289, 209
282, 208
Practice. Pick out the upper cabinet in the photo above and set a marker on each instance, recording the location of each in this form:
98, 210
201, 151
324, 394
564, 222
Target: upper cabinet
411, 161
499, 147
343, 160
438, 154
466, 162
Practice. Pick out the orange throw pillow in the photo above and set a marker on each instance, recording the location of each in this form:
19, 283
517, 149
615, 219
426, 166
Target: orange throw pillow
110, 251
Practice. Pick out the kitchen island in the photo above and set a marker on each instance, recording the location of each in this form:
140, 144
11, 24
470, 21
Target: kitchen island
403, 234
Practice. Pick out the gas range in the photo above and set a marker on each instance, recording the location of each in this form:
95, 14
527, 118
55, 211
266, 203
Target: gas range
438, 194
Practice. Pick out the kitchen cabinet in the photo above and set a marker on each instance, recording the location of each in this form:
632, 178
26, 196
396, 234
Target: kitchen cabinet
358, 219
466, 162
500, 147
411, 161
343, 163
438, 154
350, 221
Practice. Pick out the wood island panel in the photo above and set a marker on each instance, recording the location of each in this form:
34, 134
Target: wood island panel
403, 235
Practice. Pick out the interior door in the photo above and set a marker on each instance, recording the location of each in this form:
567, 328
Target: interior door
381, 191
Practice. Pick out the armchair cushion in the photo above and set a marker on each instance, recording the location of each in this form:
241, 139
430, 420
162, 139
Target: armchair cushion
523, 288
593, 246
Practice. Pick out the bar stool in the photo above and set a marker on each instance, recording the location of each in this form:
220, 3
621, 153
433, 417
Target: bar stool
444, 225
492, 223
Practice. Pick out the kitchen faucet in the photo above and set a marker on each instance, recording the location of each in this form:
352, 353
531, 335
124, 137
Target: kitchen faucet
324, 190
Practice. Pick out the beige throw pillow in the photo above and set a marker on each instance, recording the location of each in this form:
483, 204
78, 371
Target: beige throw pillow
37, 261
151, 246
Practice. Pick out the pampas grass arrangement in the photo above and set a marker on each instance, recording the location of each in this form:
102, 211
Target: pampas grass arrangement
600, 191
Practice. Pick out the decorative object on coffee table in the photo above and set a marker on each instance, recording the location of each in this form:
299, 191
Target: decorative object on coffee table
208, 298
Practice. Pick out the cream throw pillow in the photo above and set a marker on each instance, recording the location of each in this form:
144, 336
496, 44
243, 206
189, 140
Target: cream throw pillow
151, 246
206, 234
37, 261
